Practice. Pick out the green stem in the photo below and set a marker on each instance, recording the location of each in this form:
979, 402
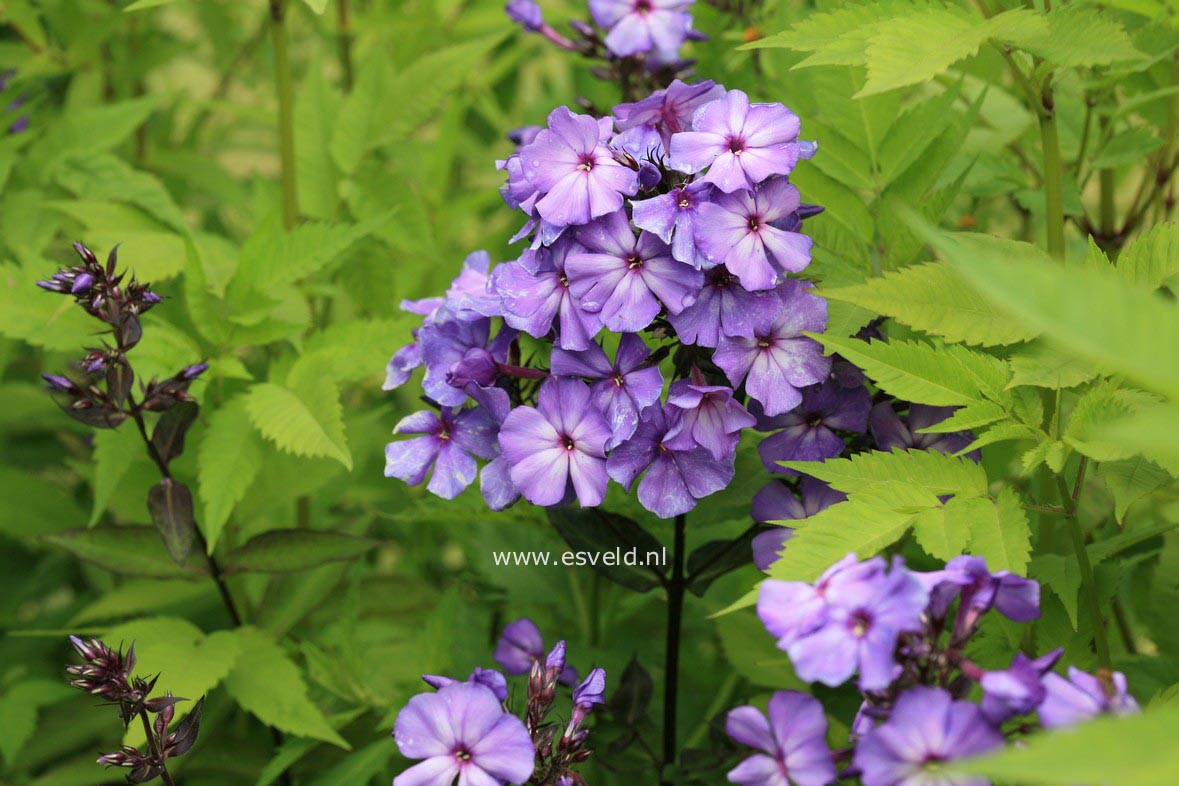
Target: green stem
1053, 173
1107, 218
286, 116
344, 43
1088, 582
675, 614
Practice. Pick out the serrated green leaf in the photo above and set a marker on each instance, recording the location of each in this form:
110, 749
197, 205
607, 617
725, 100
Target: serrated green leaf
305, 423
1130, 480
115, 450
828, 30
935, 472
36, 317
267, 684
1081, 36
935, 299
943, 531
318, 6
1063, 576
19, 704
1098, 407
1152, 259
916, 47
1039, 365
1001, 534
228, 460
915, 371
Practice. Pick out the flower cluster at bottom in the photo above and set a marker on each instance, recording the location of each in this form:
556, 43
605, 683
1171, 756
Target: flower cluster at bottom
466, 730
905, 634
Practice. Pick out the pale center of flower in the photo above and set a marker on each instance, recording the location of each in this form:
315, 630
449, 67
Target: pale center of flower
444, 433
685, 203
860, 622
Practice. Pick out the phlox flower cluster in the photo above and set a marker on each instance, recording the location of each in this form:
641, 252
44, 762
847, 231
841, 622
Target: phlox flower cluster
903, 635
466, 729
650, 315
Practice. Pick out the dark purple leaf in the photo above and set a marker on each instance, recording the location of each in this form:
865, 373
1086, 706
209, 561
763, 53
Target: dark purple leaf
119, 377
168, 436
181, 741
128, 331
160, 702
170, 504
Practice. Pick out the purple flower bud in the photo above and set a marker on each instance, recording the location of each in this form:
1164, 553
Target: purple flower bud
150, 298
592, 690
59, 384
555, 662
51, 286
525, 13
437, 682
192, 372
86, 254
82, 283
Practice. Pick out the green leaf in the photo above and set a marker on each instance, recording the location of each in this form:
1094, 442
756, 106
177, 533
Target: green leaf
1131, 480
914, 48
1001, 534
91, 130
864, 525
291, 750
228, 461
267, 684
935, 299
318, 6
19, 704
33, 505
36, 317
915, 371
1135, 749
1063, 576
317, 106
751, 652
1098, 408
305, 423
143, 5
605, 537
1128, 147
1039, 365
934, 472
1094, 313
943, 531
289, 550
359, 767
1081, 36
1152, 259
130, 551
142, 596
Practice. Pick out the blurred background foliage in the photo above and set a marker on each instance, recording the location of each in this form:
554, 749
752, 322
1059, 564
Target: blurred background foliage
156, 126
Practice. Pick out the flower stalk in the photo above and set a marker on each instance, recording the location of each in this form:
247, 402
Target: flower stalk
286, 117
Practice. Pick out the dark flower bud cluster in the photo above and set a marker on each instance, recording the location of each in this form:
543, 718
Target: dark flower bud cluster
101, 394
108, 673
906, 634
467, 730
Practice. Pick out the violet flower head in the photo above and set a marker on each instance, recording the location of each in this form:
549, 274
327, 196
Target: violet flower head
779, 360
570, 165
775, 502
1084, 696
706, 416
521, 645
638, 26
892, 432
470, 295
462, 732
739, 231
808, 430
488, 678
536, 296
790, 610
927, 727
1016, 598
560, 443
622, 389
525, 13
791, 740
446, 344
448, 443
668, 111
675, 479
863, 622
739, 143
724, 309
1018, 689
628, 280
672, 217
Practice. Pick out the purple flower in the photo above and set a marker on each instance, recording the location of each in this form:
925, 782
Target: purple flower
1016, 598
669, 110
778, 359
535, 292
521, 645
792, 741
723, 308
776, 502
560, 442
446, 344
808, 430
495, 480
471, 296
448, 442
706, 416
672, 216
625, 278
927, 727
891, 432
525, 13
571, 166
675, 478
1019, 689
591, 691
462, 732
793, 609
622, 389
488, 678
738, 230
637, 26
409, 357
1084, 696
741, 144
